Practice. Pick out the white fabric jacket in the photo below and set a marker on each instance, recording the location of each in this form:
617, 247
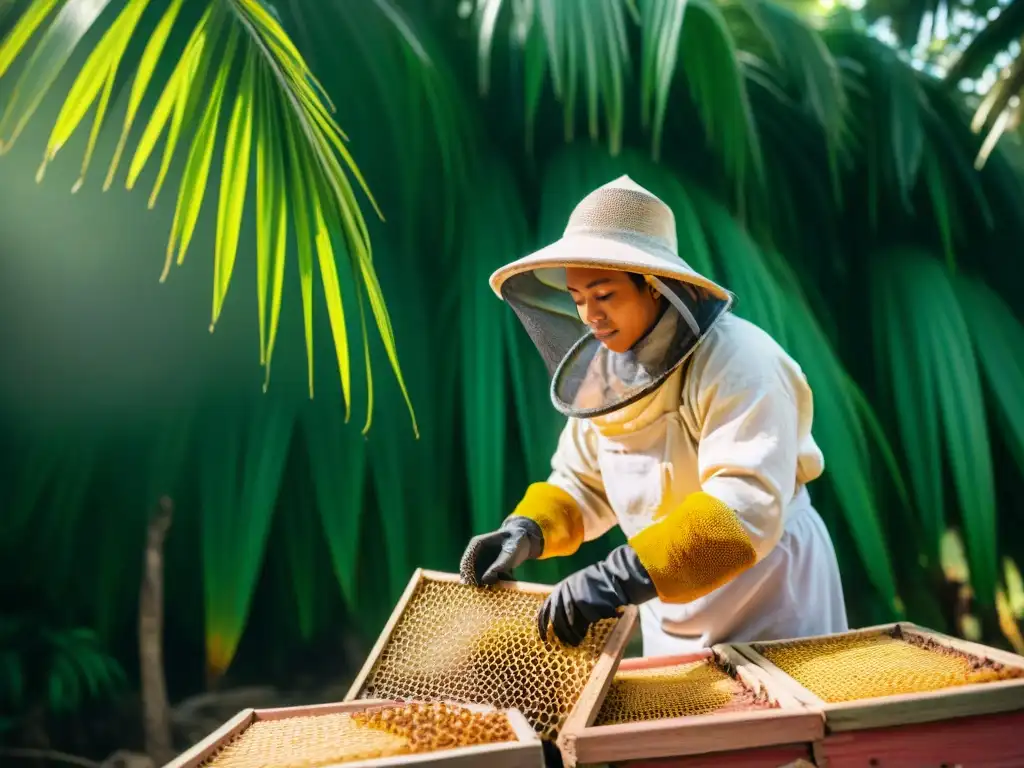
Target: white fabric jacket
734, 422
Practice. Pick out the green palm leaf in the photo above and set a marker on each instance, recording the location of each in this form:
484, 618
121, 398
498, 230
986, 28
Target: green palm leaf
275, 98
242, 460
999, 340
925, 353
495, 234
582, 39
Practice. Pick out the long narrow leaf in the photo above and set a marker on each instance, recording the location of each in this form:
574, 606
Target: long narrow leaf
197, 168
234, 185
71, 24
934, 367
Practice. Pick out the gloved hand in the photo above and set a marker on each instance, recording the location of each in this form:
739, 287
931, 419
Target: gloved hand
594, 593
491, 556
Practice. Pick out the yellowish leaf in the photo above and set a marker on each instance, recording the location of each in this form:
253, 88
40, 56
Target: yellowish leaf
97, 123
332, 293
172, 97
26, 27
197, 169
234, 184
143, 75
265, 189
72, 23
299, 184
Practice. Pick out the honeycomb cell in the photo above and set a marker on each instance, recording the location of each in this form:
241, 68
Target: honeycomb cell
480, 645
852, 667
433, 726
311, 741
681, 690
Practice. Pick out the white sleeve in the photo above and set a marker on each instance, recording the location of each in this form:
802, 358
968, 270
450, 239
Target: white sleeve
575, 470
751, 404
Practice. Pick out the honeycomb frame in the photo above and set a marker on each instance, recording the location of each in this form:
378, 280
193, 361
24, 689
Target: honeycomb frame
590, 694
788, 722
887, 711
525, 752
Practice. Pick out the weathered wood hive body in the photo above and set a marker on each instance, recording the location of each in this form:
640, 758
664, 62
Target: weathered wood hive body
885, 696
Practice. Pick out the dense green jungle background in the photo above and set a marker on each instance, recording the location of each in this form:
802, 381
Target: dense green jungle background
821, 162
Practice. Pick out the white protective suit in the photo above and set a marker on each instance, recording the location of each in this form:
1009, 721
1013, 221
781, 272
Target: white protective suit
706, 418
715, 426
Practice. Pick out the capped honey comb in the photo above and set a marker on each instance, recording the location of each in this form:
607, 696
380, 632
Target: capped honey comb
311, 741
865, 666
480, 645
682, 690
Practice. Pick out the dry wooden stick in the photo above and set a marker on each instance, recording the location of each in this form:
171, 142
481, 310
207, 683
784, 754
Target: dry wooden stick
156, 710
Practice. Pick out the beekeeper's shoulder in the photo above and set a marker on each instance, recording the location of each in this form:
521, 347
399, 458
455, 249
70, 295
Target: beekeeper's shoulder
739, 353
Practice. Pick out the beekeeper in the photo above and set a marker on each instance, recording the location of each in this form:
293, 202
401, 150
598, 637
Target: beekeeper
688, 426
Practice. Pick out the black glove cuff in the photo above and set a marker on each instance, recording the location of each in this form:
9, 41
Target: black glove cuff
632, 583
533, 532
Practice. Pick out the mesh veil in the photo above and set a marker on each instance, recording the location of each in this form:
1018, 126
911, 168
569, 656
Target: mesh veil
587, 378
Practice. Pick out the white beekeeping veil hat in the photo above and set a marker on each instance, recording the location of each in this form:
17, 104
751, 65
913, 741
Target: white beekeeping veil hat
625, 227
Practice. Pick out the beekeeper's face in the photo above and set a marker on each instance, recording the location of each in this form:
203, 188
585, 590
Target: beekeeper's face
617, 306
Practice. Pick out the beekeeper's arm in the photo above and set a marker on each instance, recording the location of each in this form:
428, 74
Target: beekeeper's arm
743, 404
553, 518
747, 404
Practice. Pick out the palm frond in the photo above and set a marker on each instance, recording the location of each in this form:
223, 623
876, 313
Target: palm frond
926, 355
582, 39
239, 47
804, 65
999, 340
241, 469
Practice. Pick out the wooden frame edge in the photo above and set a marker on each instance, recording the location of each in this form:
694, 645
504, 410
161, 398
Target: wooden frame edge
792, 722
656, 662
973, 700
909, 708
194, 755
510, 753
752, 674
382, 639
966, 646
696, 735
780, 678
592, 696
520, 586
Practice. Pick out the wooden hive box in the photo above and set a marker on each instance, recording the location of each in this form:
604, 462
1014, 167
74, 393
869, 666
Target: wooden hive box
449, 641
763, 714
975, 722
524, 752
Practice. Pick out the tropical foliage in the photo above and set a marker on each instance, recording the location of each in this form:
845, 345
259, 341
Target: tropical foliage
972, 46
827, 182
